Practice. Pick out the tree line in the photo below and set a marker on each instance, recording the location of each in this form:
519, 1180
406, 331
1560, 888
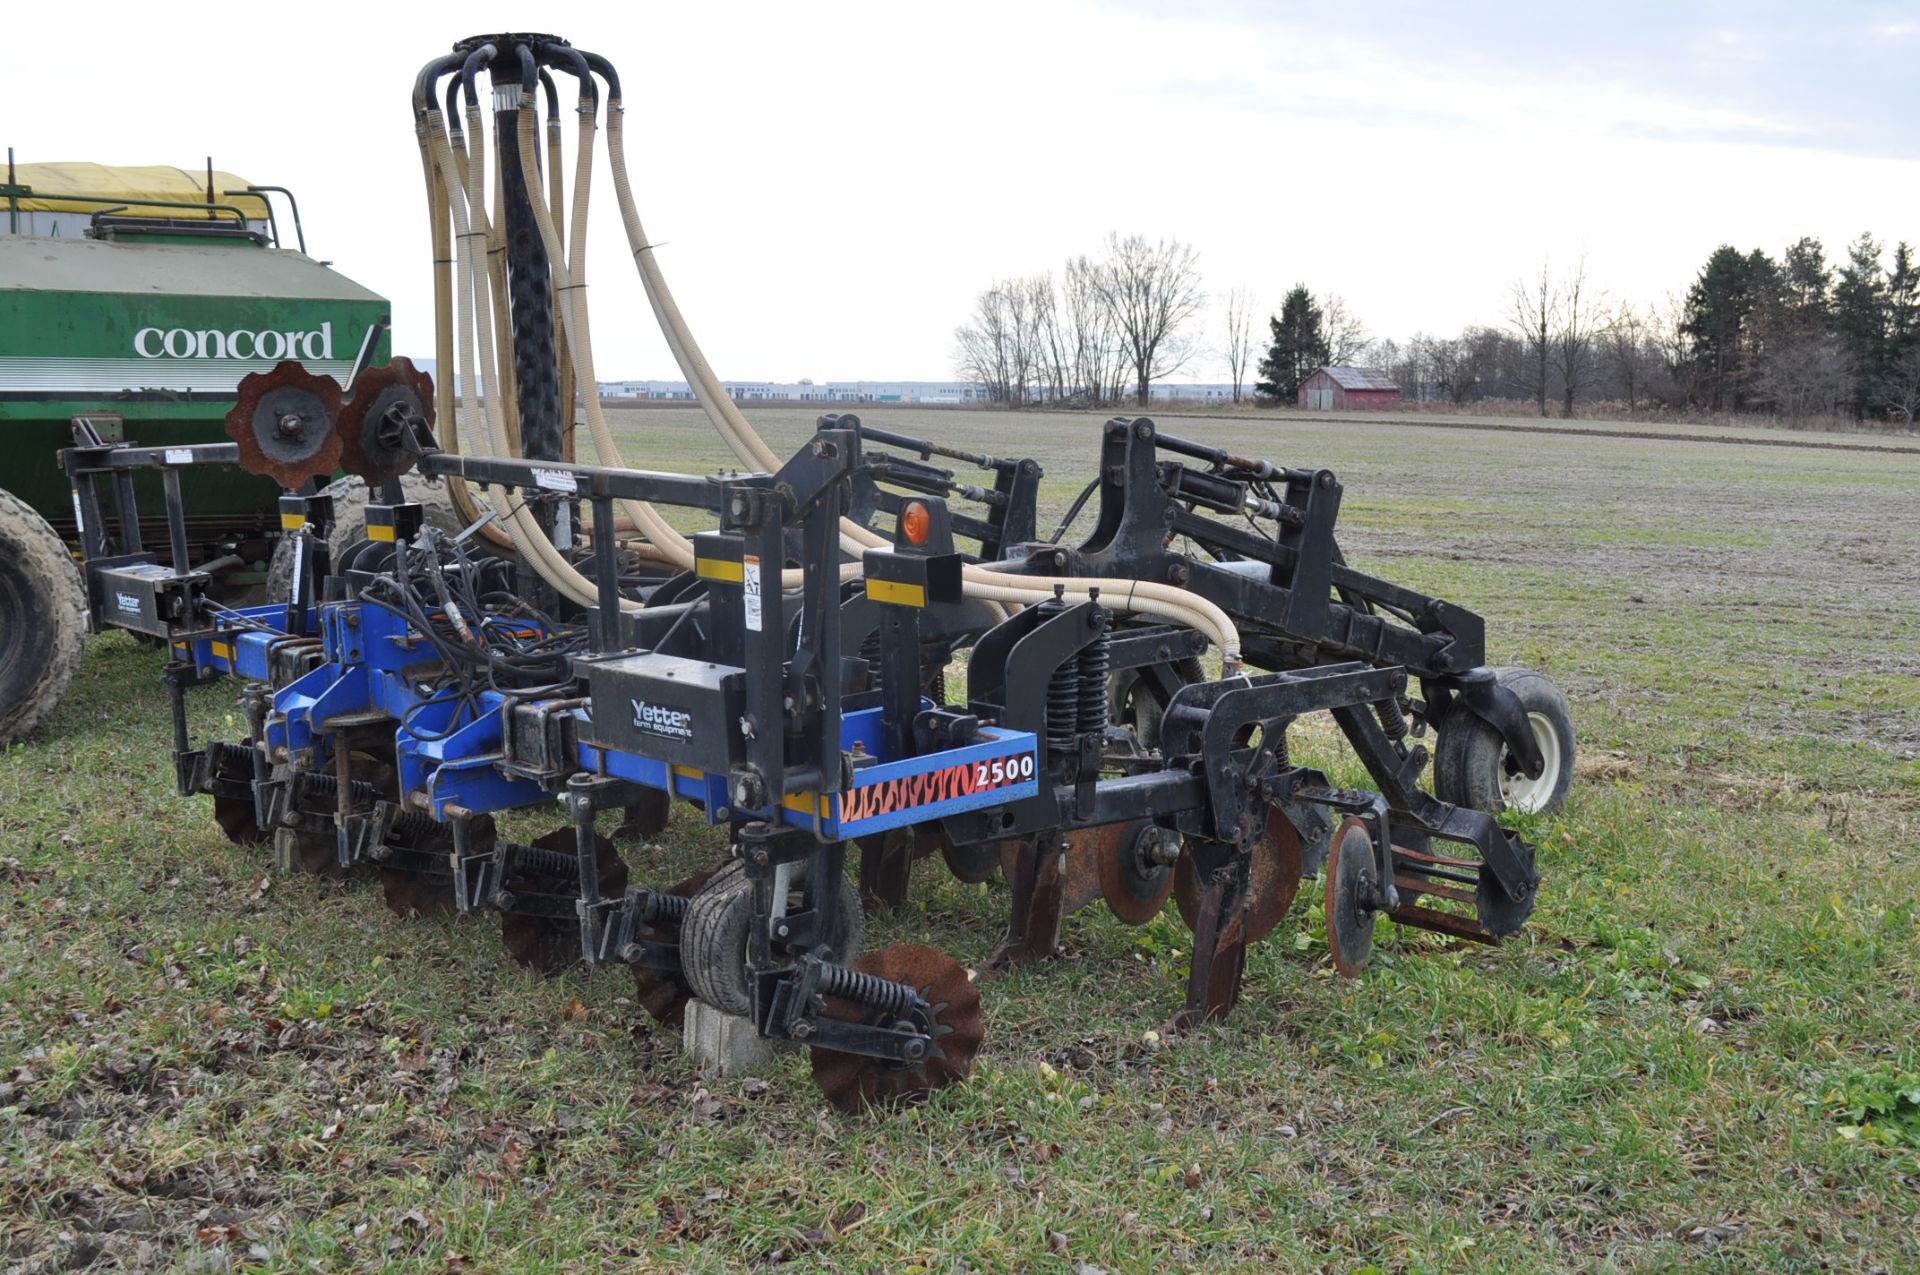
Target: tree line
1795, 337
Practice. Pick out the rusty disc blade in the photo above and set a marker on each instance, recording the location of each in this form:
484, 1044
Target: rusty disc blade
1274, 877
417, 893
1349, 914
316, 852
234, 815
284, 423
1134, 889
664, 993
853, 1081
373, 436
551, 944
431, 893
235, 818
972, 864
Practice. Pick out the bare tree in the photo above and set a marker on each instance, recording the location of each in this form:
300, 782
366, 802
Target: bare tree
1899, 389
996, 347
1582, 318
1152, 292
1242, 322
1624, 348
1534, 309
1052, 342
1089, 327
1346, 335
1805, 376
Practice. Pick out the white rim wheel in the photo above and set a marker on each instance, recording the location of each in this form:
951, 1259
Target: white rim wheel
1530, 795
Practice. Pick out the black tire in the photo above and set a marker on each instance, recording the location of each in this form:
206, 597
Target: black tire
43, 618
1471, 766
713, 937
350, 522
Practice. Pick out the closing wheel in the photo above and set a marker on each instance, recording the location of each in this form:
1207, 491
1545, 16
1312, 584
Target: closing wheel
1273, 879
43, 618
551, 944
1472, 765
713, 938
1501, 914
664, 993
854, 1081
1349, 906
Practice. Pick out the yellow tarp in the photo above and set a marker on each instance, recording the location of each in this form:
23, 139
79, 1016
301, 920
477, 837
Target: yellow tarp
86, 188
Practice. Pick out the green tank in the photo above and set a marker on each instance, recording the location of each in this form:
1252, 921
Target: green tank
134, 297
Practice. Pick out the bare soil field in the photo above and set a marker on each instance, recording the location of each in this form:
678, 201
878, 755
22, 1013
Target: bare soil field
1701, 1053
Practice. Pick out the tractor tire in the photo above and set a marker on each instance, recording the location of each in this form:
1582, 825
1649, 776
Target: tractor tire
1471, 765
350, 522
43, 619
713, 937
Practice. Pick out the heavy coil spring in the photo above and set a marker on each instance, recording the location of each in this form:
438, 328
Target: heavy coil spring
1392, 720
320, 784
664, 907
870, 652
535, 859
1095, 662
223, 755
870, 990
1063, 692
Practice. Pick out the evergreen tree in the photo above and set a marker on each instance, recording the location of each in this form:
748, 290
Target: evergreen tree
1298, 348
1806, 286
1860, 318
1722, 323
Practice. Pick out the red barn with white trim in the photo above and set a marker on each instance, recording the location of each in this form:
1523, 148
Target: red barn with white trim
1337, 388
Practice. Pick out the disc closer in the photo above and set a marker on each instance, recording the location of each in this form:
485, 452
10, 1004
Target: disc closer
284, 422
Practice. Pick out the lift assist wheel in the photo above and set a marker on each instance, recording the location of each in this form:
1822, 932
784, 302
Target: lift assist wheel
664, 993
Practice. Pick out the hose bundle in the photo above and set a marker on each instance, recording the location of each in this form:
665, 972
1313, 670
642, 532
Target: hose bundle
469, 267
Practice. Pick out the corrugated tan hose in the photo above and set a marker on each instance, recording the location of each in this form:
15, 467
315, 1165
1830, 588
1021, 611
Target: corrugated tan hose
477, 352
1144, 597
496, 411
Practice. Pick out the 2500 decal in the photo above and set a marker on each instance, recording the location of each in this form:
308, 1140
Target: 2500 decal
908, 791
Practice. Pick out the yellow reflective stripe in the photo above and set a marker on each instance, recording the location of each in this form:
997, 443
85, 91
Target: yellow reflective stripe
377, 532
719, 569
292, 522
223, 650
798, 801
897, 593
688, 772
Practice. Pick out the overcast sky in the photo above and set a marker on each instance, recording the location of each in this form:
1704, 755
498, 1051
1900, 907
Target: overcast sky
831, 184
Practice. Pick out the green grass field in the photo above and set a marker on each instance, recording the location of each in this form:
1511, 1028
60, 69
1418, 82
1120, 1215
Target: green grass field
1701, 1053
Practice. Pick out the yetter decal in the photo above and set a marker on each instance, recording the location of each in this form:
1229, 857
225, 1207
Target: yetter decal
908, 791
